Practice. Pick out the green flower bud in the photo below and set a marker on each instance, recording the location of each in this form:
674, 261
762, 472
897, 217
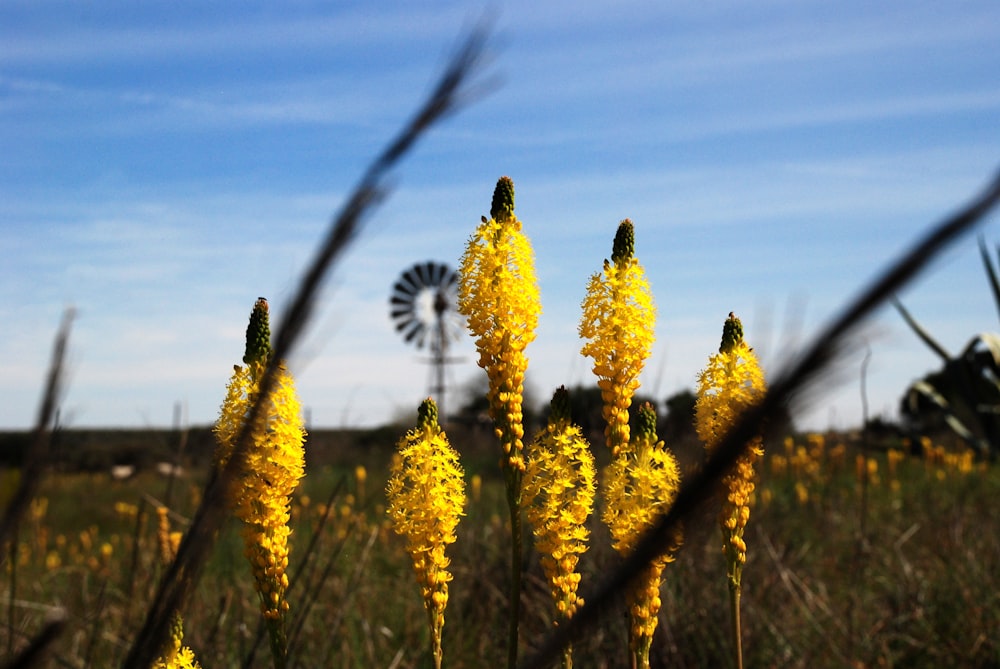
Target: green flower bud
732, 333
503, 200
258, 334
624, 246
646, 422
427, 414
560, 407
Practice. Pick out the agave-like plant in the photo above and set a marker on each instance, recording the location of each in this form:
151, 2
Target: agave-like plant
965, 392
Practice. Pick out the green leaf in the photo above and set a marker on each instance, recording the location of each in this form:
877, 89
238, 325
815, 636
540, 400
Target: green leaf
920, 332
957, 426
990, 272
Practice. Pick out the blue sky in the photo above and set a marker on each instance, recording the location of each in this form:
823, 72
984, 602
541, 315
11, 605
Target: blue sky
166, 163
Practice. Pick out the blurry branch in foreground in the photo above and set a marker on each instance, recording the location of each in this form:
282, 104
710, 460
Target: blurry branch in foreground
790, 384
35, 458
448, 95
34, 652
31, 477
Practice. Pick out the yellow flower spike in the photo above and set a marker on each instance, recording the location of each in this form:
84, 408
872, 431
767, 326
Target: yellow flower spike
275, 463
731, 383
163, 540
640, 484
426, 493
559, 488
618, 321
498, 294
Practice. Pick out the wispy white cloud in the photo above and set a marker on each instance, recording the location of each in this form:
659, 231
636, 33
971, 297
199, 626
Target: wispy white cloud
199, 35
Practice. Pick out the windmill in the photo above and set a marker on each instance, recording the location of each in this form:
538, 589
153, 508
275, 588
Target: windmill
422, 306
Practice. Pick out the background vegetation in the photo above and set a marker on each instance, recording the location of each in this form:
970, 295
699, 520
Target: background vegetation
859, 557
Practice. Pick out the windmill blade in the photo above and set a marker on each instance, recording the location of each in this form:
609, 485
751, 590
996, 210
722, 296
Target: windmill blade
440, 272
402, 315
420, 273
409, 282
402, 301
415, 331
404, 289
404, 320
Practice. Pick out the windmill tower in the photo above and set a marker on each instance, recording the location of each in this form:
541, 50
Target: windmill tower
423, 307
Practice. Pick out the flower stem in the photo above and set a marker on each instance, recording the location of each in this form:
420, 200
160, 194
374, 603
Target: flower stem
279, 642
514, 503
734, 604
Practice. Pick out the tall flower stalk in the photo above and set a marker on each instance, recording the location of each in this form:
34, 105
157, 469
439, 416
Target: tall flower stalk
640, 484
731, 383
275, 463
559, 487
498, 293
618, 321
426, 495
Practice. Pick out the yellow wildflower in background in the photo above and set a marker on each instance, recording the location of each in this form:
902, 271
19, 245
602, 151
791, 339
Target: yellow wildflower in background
426, 495
275, 463
177, 655
559, 488
640, 485
618, 321
730, 384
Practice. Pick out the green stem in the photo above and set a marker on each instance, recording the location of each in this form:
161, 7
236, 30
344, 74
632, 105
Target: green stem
437, 653
514, 503
567, 656
734, 605
279, 642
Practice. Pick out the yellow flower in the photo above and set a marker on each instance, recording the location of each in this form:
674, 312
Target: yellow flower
275, 463
618, 321
731, 383
640, 485
498, 293
559, 487
426, 494
178, 656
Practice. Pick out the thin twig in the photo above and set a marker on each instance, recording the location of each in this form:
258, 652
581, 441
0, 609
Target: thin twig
791, 383
34, 462
35, 458
370, 191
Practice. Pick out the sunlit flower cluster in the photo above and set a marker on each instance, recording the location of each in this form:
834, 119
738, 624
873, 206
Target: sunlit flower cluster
426, 493
559, 488
275, 463
498, 293
640, 485
618, 321
731, 383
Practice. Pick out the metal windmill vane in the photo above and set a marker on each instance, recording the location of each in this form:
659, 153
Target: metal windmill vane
423, 307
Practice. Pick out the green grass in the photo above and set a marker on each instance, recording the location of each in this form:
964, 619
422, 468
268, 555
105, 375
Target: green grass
920, 587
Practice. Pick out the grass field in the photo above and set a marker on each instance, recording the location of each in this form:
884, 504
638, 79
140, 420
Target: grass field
903, 571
